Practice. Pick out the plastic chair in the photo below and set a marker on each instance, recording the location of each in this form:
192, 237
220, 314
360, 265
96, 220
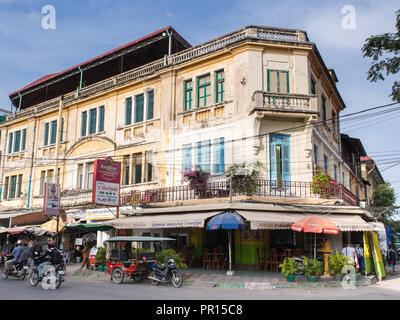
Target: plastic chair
206, 258
260, 260
274, 260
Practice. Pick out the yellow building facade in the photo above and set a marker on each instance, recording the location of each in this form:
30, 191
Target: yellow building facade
238, 92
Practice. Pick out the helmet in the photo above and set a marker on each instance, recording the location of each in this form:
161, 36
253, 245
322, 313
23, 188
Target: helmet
51, 244
19, 242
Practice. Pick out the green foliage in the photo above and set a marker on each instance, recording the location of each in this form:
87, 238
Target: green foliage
383, 45
312, 266
337, 261
244, 177
101, 256
289, 267
164, 255
322, 183
384, 197
140, 250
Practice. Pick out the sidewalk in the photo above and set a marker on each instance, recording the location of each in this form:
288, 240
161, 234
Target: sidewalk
241, 279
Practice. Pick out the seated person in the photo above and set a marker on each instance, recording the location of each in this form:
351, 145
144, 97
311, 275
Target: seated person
23, 255
8, 264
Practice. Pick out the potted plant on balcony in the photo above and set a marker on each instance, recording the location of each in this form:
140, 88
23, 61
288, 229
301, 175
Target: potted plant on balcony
244, 177
312, 268
337, 261
197, 181
322, 184
288, 269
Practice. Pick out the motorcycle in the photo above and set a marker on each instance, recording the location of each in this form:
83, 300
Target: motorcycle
300, 264
165, 273
59, 272
22, 269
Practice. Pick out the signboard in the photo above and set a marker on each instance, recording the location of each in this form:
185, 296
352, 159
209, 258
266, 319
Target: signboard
106, 182
51, 205
105, 213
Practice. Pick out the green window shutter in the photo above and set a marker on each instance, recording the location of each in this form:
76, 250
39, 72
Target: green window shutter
23, 142
17, 140
5, 194
13, 186
10, 142
150, 104
101, 119
323, 109
46, 134
53, 132
128, 111
313, 86
83, 123
219, 86
92, 120
203, 90
19, 186
278, 81
188, 89
139, 106
62, 130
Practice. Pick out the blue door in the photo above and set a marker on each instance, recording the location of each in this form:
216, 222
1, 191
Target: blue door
279, 147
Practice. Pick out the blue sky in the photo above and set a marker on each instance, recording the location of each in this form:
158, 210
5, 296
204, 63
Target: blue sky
85, 29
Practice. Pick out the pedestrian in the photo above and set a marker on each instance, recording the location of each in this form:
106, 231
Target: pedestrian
85, 255
391, 259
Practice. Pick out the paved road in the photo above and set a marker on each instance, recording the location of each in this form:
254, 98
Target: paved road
79, 288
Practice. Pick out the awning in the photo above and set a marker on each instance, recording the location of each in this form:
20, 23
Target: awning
139, 239
161, 221
279, 221
88, 227
52, 225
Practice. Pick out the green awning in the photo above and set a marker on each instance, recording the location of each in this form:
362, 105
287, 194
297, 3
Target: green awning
139, 239
88, 227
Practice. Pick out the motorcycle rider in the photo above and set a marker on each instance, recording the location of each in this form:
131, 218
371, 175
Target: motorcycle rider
15, 252
23, 255
48, 256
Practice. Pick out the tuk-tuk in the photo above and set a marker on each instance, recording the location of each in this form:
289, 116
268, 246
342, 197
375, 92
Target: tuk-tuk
121, 264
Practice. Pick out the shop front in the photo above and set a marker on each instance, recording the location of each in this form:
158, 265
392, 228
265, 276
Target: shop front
265, 230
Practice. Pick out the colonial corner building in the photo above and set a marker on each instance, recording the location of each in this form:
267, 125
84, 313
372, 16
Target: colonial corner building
162, 107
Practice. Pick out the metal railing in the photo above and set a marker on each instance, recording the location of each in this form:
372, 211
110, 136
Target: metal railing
259, 188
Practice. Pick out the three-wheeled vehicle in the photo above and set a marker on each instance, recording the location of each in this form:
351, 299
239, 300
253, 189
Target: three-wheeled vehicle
120, 265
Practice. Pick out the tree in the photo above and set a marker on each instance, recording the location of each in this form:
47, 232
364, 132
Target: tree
385, 44
383, 200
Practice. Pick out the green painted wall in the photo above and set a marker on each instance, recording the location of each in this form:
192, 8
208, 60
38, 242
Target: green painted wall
246, 250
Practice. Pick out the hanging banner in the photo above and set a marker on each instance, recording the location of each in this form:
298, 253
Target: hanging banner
369, 266
106, 182
51, 204
377, 256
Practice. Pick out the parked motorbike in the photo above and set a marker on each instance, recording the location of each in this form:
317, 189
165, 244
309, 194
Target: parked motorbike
22, 269
300, 264
165, 273
59, 272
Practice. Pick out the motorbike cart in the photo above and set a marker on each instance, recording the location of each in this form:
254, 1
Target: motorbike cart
120, 265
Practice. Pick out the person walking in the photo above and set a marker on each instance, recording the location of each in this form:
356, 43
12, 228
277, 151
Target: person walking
391, 259
85, 255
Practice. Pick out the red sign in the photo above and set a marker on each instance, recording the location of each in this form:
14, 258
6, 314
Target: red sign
106, 182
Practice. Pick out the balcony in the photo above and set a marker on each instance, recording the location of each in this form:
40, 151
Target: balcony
264, 189
284, 102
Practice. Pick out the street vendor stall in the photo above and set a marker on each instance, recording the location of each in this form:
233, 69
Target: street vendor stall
75, 235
